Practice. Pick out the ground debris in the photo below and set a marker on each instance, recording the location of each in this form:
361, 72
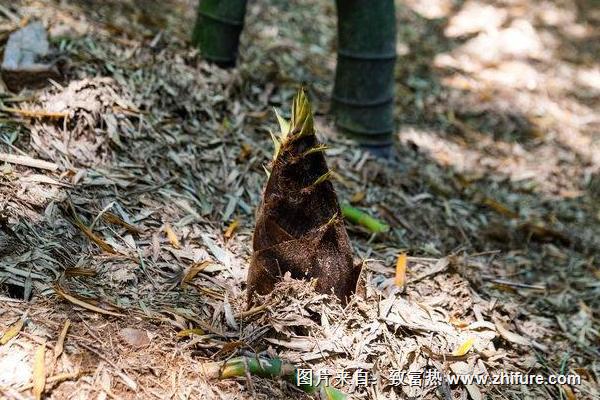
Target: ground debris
96, 117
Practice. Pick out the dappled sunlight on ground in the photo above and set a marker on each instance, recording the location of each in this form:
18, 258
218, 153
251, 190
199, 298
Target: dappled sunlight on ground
509, 64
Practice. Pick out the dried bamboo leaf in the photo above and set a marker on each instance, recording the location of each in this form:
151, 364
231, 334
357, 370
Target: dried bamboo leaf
231, 228
499, 207
172, 236
569, 394
195, 269
84, 304
12, 331
400, 278
58, 348
36, 113
190, 332
229, 348
229, 314
542, 232
464, 347
357, 197
95, 238
511, 336
116, 220
80, 271
443, 356
39, 371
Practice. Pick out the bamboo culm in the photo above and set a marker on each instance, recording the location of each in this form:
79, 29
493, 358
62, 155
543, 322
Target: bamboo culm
363, 94
219, 24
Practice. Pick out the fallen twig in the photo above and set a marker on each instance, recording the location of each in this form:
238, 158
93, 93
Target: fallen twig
517, 284
63, 376
35, 113
28, 161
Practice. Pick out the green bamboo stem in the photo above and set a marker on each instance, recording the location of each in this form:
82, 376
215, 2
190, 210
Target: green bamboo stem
268, 368
219, 24
359, 217
363, 94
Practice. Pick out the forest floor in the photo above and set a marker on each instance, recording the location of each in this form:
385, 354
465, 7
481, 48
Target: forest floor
493, 192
